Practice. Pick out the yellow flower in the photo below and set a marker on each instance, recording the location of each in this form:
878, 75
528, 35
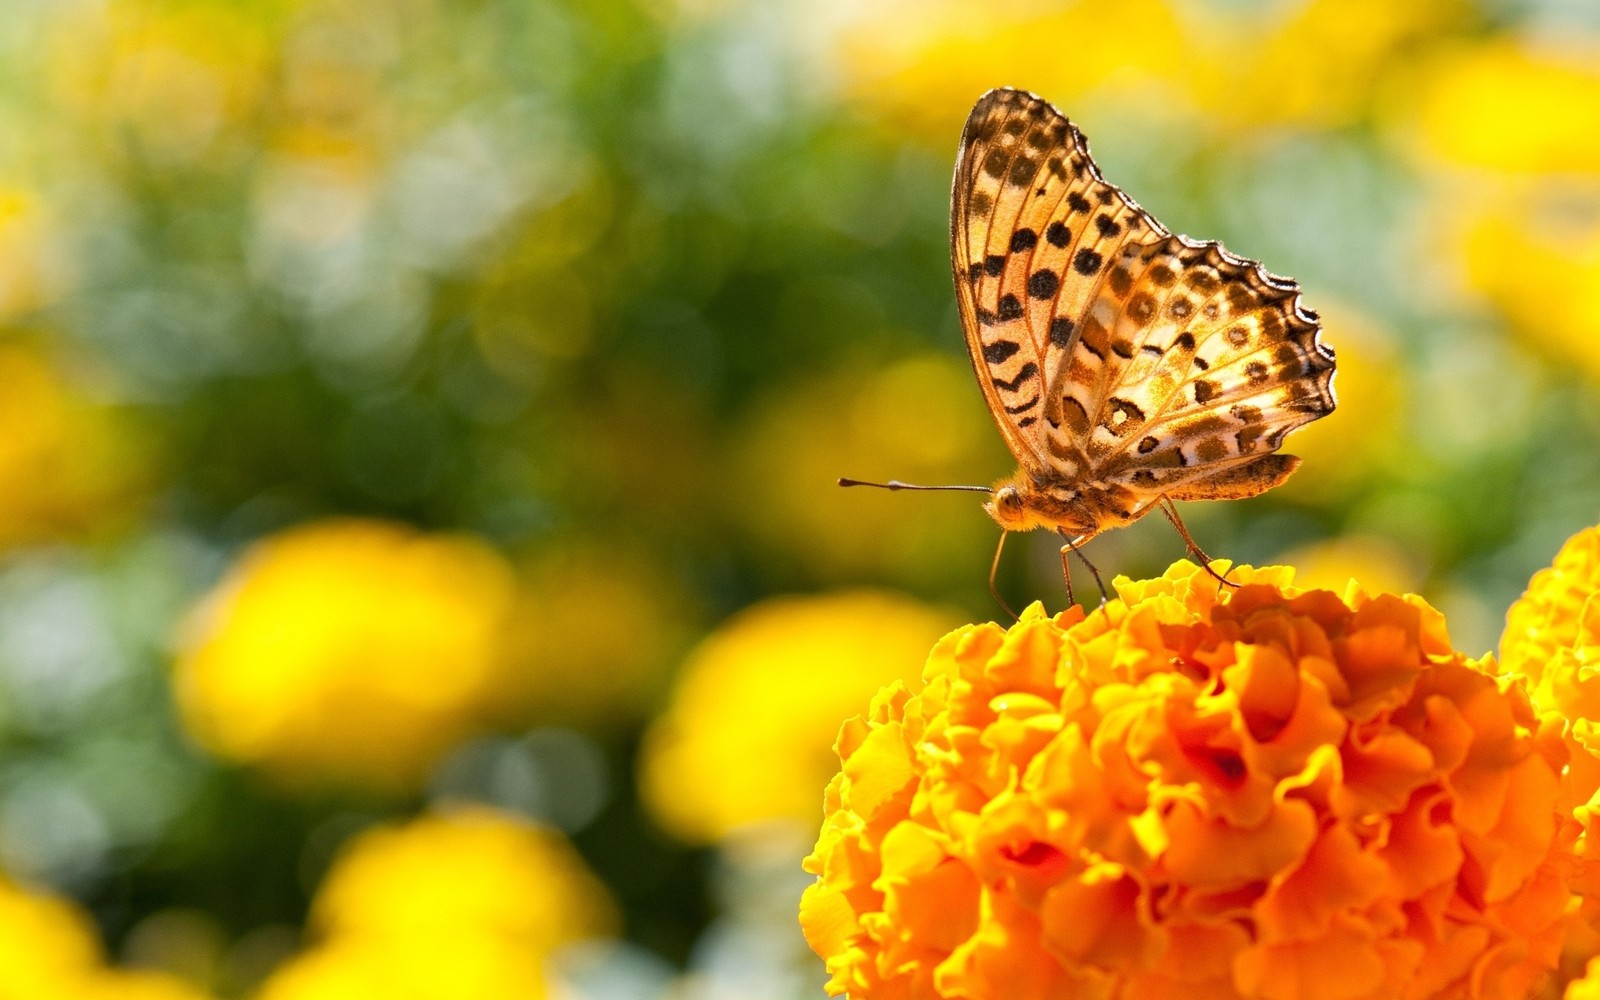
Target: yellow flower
44, 943
1587, 987
178, 80
68, 465
462, 905
569, 658
1505, 105
893, 421
1332, 564
923, 64
29, 278
746, 736
1365, 435
347, 650
460, 969
119, 984
49, 948
1194, 791
1531, 255
1552, 643
1558, 612
1317, 63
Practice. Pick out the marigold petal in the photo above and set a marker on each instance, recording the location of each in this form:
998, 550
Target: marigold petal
1341, 964
1100, 919
1337, 875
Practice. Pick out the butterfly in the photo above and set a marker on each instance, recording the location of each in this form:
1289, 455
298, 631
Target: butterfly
1126, 367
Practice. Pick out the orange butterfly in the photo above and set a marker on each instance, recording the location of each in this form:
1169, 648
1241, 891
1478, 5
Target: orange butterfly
1125, 366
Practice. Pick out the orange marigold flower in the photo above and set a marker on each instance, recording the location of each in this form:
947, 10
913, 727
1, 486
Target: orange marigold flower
1195, 791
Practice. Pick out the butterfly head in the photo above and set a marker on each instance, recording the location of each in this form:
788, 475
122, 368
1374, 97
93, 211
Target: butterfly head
1019, 505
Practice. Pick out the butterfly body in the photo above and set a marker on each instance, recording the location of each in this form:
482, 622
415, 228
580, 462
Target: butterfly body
1124, 365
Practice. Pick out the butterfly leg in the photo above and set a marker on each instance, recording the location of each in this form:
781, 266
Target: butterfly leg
994, 570
1069, 549
1189, 542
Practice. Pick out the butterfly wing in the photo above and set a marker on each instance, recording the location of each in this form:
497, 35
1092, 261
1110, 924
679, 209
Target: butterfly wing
1110, 350
1217, 361
1032, 226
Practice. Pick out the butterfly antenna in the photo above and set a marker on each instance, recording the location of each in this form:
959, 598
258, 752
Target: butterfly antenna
895, 484
1071, 548
1188, 541
994, 569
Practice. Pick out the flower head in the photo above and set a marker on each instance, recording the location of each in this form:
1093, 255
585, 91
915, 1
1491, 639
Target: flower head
353, 651
1558, 613
469, 904
745, 739
1552, 642
49, 948
1194, 791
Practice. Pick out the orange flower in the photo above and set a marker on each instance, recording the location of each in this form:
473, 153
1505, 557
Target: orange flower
1194, 791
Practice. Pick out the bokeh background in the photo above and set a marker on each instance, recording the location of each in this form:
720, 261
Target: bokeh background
421, 573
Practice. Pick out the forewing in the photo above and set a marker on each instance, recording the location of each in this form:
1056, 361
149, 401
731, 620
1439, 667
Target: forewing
1032, 229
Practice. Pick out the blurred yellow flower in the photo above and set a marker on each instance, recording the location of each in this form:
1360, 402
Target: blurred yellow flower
68, 464
1315, 63
457, 906
178, 80
1194, 791
923, 64
1356, 442
591, 637
1552, 643
49, 948
27, 271
1379, 564
1508, 105
746, 737
45, 942
1586, 987
347, 650
120, 984
1531, 251
459, 968
895, 421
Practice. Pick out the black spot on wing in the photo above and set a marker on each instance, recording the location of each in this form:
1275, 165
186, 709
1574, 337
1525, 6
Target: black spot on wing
1027, 371
999, 351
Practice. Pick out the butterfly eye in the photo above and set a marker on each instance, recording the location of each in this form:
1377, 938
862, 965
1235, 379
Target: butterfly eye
1009, 501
